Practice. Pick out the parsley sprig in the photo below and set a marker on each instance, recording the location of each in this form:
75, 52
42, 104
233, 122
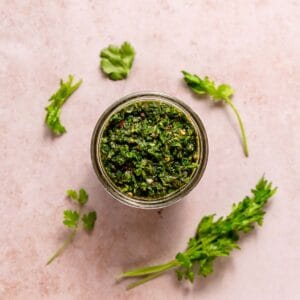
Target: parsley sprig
222, 92
213, 238
116, 62
57, 101
73, 219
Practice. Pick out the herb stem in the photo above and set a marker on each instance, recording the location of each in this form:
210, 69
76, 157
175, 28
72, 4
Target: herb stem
149, 270
145, 279
68, 240
244, 139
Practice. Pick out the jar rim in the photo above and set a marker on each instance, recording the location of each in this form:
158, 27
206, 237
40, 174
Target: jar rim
170, 198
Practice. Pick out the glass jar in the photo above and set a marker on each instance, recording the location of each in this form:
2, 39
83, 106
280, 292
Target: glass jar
168, 199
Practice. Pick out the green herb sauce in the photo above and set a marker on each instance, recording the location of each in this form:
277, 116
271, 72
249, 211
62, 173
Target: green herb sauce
149, 149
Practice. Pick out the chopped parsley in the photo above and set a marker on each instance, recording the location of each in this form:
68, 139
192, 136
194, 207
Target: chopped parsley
149, 149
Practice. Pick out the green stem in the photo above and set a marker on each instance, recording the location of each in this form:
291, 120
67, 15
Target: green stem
244, 139
62, 247
145, 279
149, 273
149, 270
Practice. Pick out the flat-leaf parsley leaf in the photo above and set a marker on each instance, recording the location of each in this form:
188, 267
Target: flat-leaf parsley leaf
89, 220
81, 197
71, 218
116, 62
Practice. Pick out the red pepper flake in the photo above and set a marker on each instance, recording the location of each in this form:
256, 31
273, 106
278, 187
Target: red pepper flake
122, 123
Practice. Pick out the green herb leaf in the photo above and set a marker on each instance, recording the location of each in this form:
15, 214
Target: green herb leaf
206, 266
184, 260
222, 92
116, 62
207, 86
72, 194
71, 218
213, 238
89, 220
57, 101
81, 197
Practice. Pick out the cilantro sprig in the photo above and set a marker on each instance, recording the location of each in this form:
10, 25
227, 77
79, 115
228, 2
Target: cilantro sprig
74, 220
57, 100
116, 62
222, 92
213, 238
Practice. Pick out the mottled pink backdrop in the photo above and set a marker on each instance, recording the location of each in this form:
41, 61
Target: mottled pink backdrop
253, 45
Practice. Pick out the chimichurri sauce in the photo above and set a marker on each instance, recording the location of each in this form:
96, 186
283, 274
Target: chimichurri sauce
149, 149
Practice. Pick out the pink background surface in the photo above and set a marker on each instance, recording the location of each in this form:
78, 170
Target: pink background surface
253, 45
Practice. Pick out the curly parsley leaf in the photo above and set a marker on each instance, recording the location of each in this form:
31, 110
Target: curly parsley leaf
89, 220
57, 101
74, 220
213, 238
116, 62
222, 92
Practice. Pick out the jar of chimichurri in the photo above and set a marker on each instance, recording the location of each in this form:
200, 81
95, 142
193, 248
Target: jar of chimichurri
149, 150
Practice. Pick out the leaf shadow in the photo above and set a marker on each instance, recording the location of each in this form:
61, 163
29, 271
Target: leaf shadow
48, 134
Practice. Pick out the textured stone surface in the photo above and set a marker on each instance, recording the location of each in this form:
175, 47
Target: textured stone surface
253, 45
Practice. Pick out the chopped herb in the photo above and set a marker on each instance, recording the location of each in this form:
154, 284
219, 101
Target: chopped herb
72, 220
116, 62
213, 238
57, 101
149, 149
222, 92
